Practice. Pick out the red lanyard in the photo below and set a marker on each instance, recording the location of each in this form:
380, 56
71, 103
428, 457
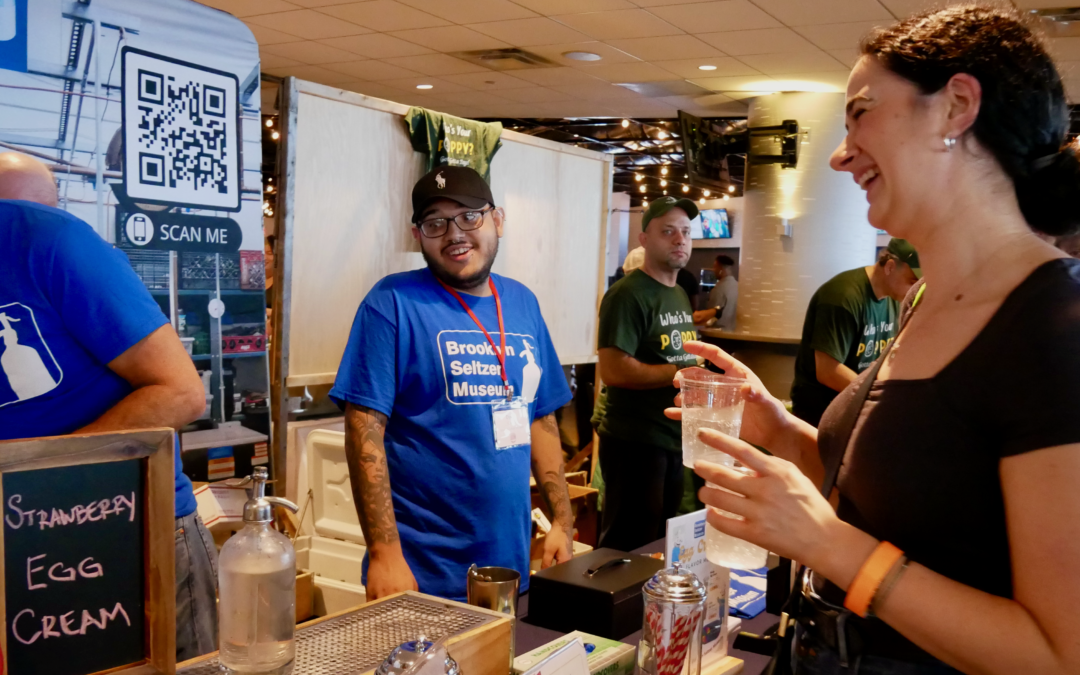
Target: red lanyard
499, 352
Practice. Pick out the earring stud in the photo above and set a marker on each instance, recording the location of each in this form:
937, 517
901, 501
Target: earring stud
950, 143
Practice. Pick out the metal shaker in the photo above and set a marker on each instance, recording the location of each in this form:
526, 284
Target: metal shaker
419, 656
674, 612
496, 588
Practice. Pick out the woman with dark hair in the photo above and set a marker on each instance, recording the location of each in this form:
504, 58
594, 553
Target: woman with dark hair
955, 543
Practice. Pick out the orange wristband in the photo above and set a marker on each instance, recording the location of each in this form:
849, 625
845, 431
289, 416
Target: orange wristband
869, 578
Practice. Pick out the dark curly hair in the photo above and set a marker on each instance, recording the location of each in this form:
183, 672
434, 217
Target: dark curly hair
1023, 116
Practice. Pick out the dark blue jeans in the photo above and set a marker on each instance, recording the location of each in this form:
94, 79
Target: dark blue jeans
811, 658
196, 589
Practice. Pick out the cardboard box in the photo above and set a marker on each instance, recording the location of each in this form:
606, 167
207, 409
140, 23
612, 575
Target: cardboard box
221, 507
608, 657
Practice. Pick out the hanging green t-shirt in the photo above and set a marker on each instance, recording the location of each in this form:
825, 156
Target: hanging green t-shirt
649, 321
454, 141
846, 321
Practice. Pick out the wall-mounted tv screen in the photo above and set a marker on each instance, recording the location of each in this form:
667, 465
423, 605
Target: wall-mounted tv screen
711, 224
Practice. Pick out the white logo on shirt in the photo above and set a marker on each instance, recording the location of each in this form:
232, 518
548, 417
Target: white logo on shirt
24, 364
472, 372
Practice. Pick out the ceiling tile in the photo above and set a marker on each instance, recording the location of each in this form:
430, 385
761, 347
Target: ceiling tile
372, 70
648, 110
384, 15
551, 77
309, 52
440, 87
377, 89
629, 72
1065, 49
377, 46
665, 88
666, 47
556, 7
472, 11
614, 25
308, 24
451, 39
242, 8
271, 61
597, 92
489, 81
474, 98
313, 73
839, 35
436, 64
268, 36
725, 66
803, 13
533, 94
665, 3
901, 9
759, 83
815, 61
576, 109
848, 57
608, 54
529, 32
765, 41
707, 17
685, 102
832, 81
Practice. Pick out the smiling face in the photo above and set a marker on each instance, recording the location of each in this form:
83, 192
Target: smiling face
894, 148
462, 260
667, 241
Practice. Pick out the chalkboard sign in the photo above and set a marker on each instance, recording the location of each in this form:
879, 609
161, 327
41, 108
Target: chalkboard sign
73, 542
87, 554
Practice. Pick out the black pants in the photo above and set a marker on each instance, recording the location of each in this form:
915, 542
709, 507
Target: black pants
643, 488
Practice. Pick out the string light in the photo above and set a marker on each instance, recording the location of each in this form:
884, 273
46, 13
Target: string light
686, 188
705, 192
625, 123
638, 177
726, 198
269, 122
663, 183
661, 135
642, 188
701, 201
731, 188
663, 171
665, 193
275, 135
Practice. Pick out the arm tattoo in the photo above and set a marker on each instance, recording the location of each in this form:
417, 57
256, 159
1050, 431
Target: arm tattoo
552, 480
369, 475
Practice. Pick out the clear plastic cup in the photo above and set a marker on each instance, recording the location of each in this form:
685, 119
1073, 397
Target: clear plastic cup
713, 401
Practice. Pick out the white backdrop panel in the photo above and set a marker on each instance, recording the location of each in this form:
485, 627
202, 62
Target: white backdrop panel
349, 224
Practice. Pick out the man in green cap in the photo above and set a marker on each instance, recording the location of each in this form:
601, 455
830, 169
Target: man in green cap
645, 318
850, 321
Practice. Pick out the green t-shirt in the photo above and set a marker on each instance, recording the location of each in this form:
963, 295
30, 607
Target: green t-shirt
454, 141
846, 321
649, 321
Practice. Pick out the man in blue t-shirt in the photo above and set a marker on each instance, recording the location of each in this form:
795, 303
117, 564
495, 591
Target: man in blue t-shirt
84, 348
439, 460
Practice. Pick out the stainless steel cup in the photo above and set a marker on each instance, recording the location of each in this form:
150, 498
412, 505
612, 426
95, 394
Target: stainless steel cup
496, 588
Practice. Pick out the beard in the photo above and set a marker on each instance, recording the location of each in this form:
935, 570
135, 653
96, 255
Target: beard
462, 283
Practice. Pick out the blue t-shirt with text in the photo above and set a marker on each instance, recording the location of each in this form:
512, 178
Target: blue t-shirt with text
69, 304
415, 355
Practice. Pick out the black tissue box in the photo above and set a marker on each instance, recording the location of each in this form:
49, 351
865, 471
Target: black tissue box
608, 603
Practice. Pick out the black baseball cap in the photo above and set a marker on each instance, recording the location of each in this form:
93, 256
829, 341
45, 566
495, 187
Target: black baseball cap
665, 204
459, 183
905, 253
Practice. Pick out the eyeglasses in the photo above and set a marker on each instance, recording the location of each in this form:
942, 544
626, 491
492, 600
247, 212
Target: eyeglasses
468, 221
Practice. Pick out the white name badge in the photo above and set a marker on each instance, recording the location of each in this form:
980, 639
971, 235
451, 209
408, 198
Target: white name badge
510, 419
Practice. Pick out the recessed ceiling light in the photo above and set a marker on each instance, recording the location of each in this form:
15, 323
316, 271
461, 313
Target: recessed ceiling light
424, 86
582, 56
706, 67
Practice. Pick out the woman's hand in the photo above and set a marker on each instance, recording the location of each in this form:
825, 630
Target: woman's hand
764, 418
784, 511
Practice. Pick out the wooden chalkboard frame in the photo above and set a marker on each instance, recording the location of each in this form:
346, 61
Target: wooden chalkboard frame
156, 447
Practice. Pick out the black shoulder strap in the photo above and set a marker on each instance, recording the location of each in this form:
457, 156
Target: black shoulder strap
847, 425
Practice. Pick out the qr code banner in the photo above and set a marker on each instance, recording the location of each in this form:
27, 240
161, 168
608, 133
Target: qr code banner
181, 133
